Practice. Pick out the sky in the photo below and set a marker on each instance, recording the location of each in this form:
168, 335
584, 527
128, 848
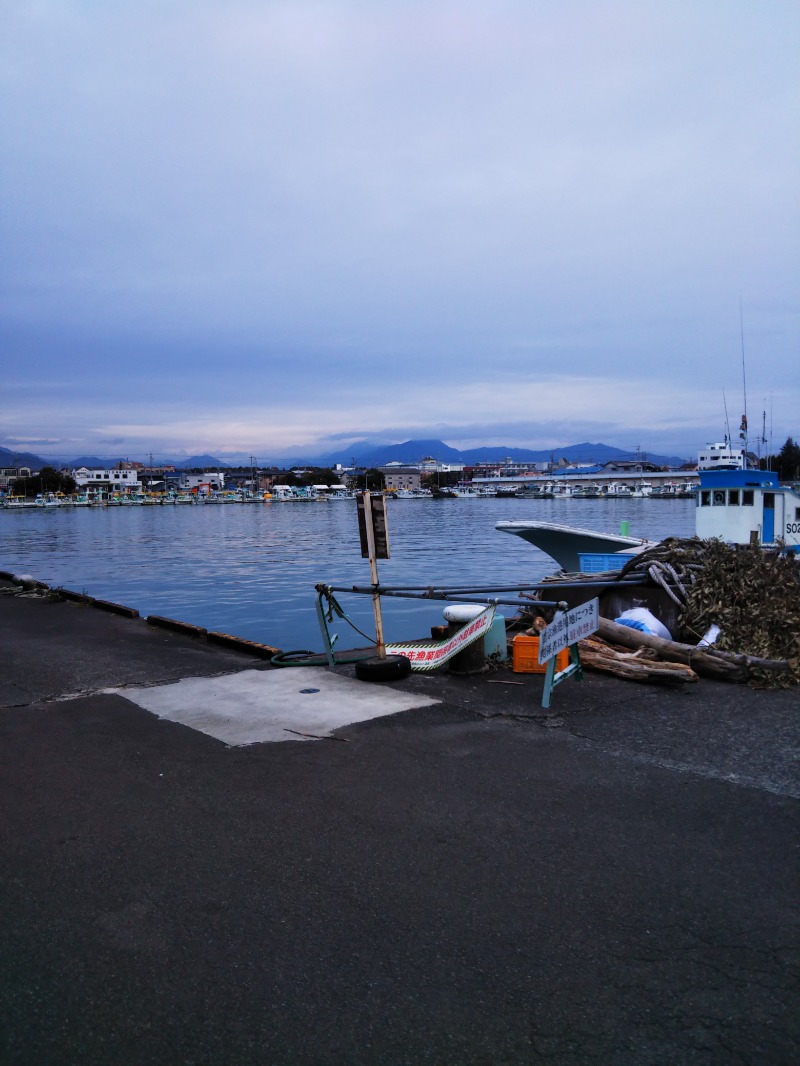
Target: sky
268, 228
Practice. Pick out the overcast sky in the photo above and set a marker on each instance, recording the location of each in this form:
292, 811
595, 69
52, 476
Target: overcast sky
248, 228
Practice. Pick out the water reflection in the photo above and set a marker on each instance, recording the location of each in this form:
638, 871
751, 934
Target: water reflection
251, 569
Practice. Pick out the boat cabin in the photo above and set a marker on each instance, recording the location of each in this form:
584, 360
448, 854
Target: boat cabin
722, 457
740, 505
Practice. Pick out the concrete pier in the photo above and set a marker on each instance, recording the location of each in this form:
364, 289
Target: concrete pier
447, 876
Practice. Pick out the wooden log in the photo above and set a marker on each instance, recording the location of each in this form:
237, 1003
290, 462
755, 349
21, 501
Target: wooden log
777, 666
633, 666
774, 666
716, 666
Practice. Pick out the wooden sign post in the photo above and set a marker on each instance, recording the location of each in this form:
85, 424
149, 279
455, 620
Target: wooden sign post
374, 535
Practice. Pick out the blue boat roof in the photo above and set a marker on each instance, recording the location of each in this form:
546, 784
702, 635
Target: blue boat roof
738, 479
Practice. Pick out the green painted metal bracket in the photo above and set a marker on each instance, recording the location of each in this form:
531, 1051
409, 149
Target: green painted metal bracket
551, 678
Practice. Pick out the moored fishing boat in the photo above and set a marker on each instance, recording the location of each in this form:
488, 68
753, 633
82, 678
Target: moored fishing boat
586, 492
566, 543
748, 506
617, 491
733, 503
673, 490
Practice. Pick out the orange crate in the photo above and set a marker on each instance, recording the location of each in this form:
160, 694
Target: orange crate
525, 656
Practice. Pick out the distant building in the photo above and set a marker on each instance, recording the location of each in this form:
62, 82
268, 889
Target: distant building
9, 474
102, 480
629, 466
214, 479
397, 476
507, 468
433, 466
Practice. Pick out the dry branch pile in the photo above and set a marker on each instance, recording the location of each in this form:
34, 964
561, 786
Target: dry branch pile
751, 593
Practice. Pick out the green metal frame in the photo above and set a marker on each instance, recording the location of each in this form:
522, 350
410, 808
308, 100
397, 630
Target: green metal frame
551, 678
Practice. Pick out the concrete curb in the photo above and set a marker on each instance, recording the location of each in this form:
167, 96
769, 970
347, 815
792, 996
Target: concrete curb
90, 601
225, 640
73, 597
251, 647
178, 627
114, 608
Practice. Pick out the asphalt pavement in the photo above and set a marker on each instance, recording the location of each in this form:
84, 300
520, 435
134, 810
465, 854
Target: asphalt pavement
456, 878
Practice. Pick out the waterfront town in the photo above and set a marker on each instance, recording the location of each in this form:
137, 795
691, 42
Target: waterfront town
428, 476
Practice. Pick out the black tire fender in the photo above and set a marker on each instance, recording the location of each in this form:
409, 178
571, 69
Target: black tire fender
390, 668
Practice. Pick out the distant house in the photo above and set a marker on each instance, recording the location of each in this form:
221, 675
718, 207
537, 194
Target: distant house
9, 474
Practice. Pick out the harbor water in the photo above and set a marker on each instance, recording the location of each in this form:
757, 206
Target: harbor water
250, 569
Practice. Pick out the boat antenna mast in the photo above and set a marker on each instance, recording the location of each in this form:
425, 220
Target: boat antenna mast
762, 440
727, 421
743, 426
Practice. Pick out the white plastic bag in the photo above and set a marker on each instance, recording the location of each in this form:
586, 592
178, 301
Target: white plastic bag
645, 621
709, 637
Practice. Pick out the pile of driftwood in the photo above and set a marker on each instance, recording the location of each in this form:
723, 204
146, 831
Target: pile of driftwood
752, 594
637, 656
640, 665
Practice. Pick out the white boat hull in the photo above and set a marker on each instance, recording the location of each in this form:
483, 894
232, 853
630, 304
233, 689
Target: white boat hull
566, 543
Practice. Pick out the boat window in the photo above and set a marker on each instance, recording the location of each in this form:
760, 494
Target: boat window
719, 498
705, 498
747, 498
733, 497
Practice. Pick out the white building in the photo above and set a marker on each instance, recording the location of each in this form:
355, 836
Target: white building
213, 479
106, 480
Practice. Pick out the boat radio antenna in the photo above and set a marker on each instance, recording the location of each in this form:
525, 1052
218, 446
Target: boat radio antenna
762, 440
727, 423
743, 427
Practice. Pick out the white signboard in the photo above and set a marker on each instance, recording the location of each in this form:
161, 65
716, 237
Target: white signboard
568, 627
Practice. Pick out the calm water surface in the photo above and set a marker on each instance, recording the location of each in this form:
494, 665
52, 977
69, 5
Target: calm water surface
250, 569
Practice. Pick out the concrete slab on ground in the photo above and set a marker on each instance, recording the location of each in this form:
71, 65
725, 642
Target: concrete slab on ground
256, 706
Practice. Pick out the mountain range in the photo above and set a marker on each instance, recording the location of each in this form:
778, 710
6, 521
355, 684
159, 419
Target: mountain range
368, 454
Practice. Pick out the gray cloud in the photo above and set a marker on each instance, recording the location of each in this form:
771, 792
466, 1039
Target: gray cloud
245, 218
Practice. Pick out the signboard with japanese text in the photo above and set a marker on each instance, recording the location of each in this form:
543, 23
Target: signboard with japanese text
425, 655
372, 509
568, 627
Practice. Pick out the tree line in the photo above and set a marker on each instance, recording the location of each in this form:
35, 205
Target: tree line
786, 463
